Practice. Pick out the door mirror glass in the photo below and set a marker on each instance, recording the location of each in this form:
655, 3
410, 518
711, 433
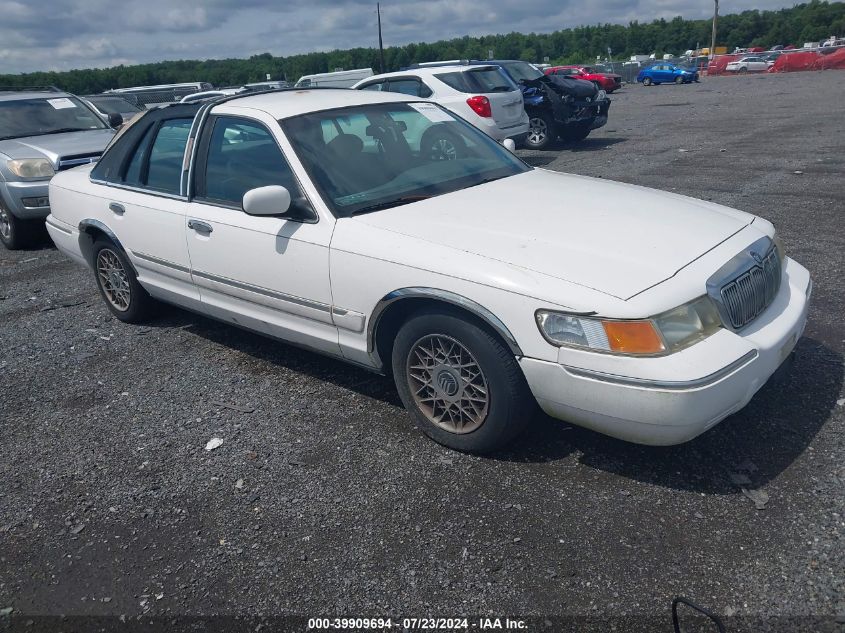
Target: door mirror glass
269, 200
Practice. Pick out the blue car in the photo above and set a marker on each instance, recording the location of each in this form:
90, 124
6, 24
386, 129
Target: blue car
666, 74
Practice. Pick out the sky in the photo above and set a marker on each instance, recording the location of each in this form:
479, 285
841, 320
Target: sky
66, 34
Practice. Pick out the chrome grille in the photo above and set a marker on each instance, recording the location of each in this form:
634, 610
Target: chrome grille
753, 291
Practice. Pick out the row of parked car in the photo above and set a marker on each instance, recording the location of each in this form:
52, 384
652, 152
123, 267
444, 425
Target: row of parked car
43, 131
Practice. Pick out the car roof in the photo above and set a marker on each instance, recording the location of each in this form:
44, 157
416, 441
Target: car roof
427, 71
285, 103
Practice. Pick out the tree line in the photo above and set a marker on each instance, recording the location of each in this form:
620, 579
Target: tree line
811, 21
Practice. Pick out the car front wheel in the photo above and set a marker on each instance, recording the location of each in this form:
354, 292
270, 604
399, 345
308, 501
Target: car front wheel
542, 131
118, 284
461, 384
679, 79
14, 232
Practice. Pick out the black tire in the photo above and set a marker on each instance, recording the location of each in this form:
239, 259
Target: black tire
125, 298
743, 69
508, 406
647, 81
542, 131
577, 132
16, 233
438, 143
679, 80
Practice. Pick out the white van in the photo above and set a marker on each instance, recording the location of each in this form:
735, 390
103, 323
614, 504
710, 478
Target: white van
337, 79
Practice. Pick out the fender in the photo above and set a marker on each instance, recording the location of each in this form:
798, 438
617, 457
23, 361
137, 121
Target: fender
447, 297
89, 225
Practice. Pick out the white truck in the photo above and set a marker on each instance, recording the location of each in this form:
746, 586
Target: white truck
337, 79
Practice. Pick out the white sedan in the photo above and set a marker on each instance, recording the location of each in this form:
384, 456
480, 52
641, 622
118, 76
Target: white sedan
747, 64
484, 286
483, 95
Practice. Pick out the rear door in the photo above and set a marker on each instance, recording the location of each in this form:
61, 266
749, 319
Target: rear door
145, 208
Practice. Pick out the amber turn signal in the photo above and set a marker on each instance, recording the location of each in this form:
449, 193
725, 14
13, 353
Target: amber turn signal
633, 337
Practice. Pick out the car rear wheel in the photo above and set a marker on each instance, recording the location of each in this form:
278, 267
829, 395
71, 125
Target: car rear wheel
542, 131
119, 286
647, 81
14, 232
438, 143
679, 79
461, 384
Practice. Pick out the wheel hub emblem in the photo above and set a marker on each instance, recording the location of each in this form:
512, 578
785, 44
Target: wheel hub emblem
447, 383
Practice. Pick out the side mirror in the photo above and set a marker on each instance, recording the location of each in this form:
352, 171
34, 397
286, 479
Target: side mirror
270, 200
115, 120
509, 144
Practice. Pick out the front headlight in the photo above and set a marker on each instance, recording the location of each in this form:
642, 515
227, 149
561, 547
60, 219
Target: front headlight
662, 334
31, 167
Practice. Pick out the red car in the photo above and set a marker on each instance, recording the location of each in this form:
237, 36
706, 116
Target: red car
606, 81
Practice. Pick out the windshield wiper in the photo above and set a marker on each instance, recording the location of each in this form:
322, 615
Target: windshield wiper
62, 130
389, 204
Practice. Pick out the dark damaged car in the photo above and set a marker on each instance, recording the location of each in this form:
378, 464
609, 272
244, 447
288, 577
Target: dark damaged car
558, 106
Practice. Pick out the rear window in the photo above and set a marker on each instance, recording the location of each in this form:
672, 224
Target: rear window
481, 80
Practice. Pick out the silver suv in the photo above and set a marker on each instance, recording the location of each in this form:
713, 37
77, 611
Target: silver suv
42, 131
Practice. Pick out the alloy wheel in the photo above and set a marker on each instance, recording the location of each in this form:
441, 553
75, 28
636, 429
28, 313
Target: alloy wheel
537, 131
5, 224
444, 149
447, 383
114, 280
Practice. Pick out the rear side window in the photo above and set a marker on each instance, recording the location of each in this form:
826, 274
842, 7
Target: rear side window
167, 155
490, 80
481, 80
455, 81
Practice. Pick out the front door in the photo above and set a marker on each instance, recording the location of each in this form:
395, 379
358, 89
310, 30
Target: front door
266, 273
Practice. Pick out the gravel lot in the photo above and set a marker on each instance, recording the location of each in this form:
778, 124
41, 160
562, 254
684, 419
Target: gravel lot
324, 501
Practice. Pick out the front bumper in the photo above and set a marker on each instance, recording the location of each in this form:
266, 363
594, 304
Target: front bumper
22, 199
672, 399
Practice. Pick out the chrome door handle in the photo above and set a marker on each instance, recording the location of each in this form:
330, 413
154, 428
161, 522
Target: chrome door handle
200, 227
116, 207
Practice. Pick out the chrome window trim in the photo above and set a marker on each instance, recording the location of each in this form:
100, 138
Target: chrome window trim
670, 385
152, 192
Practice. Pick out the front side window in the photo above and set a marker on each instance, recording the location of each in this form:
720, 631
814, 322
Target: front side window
375, 87
373, 157
242, 155
48, 115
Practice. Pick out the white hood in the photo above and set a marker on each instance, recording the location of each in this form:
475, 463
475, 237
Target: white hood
612, 237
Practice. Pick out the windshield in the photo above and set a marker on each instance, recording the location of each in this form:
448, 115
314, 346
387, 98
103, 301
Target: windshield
373, 157
522, 71
34, 117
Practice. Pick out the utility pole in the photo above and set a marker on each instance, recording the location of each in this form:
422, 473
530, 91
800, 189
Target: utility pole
380, 44
713, 36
